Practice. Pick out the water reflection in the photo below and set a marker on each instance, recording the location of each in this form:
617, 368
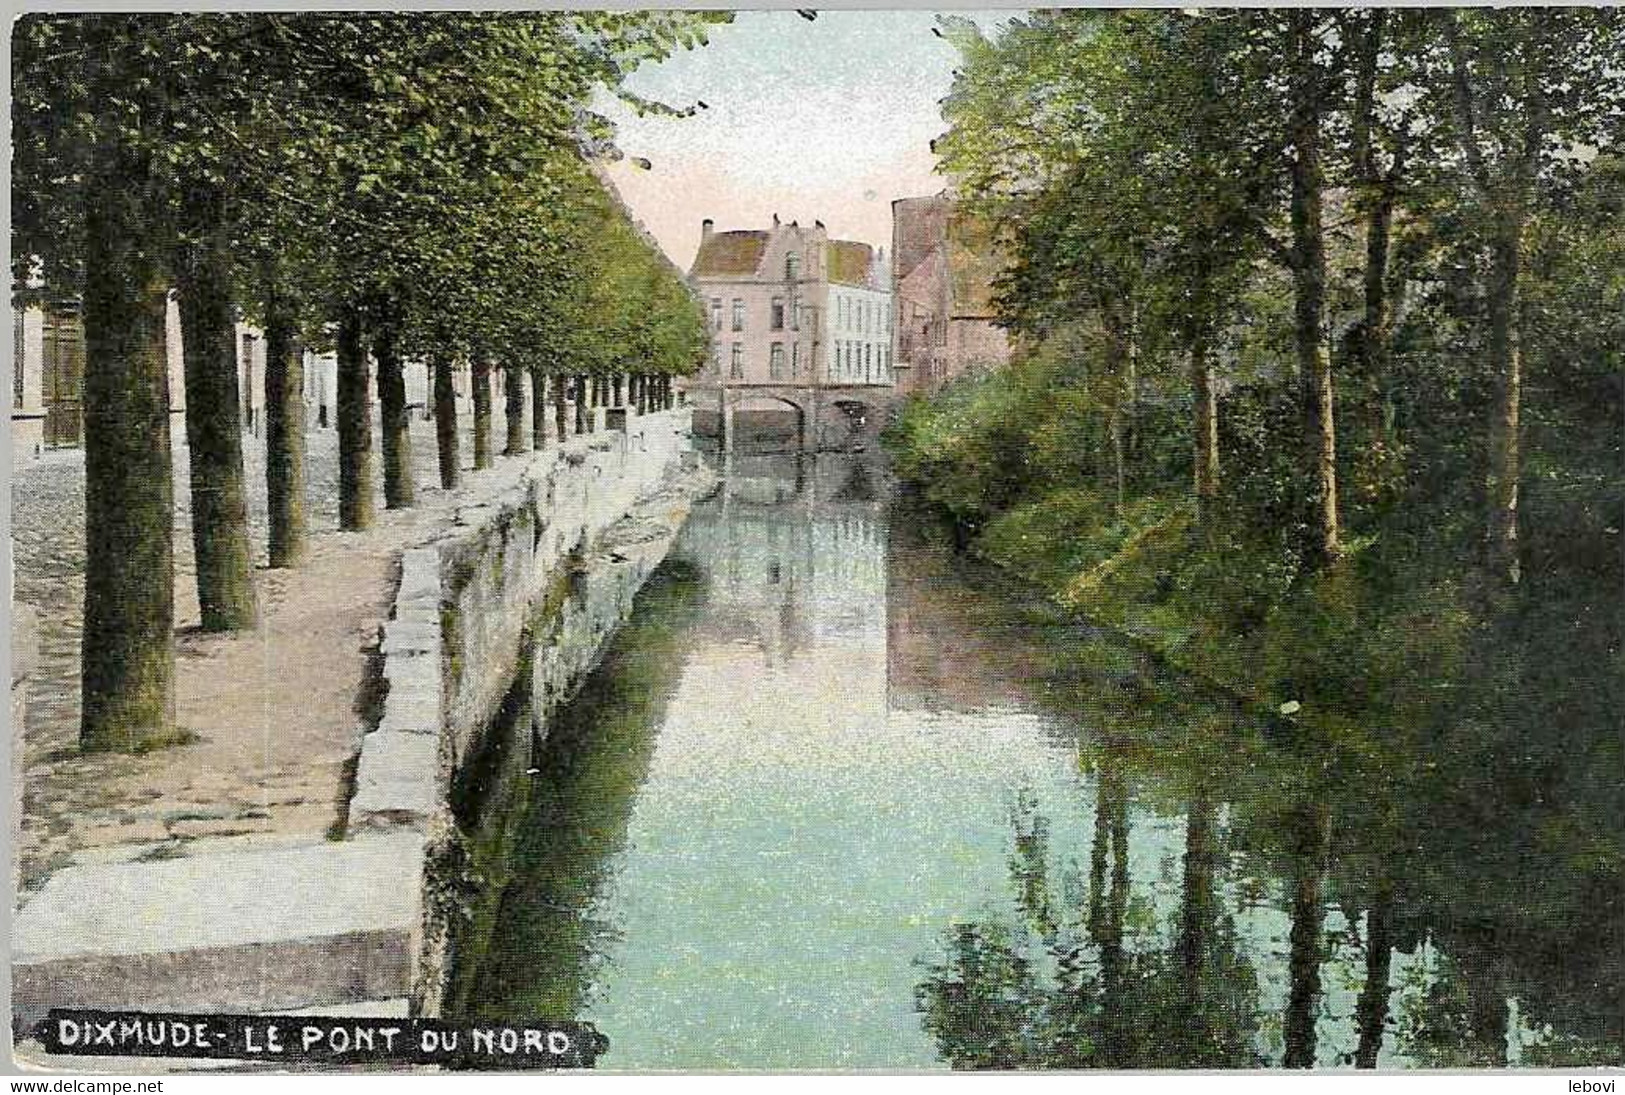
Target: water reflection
840, 799
532, 951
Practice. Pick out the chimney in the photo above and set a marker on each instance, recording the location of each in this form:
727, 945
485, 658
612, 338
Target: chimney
705, 229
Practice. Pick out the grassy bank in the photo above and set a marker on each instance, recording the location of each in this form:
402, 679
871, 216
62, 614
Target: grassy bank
1444, 719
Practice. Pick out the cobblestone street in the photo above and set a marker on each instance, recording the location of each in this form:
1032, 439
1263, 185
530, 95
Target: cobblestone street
74, 802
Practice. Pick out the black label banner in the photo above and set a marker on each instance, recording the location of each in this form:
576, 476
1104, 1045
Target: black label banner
321, 1039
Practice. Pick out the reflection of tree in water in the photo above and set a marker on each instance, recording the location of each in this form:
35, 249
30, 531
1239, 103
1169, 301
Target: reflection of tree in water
1351, 819
537, 957
1440, 1024
1060, 987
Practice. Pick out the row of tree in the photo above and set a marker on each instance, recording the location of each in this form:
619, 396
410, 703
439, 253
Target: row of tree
1317, 393
1169, 173
392, 187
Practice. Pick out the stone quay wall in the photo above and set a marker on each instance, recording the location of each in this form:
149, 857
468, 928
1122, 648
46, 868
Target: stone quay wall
533, 581
532, 577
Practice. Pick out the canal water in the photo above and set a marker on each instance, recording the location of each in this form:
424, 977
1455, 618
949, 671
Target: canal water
841, 799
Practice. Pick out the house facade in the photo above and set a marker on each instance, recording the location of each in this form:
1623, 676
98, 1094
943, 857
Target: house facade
945, 265
788, 306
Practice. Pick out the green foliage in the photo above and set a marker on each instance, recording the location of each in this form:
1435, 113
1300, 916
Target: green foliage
431, 167
1138, 206
1050, 988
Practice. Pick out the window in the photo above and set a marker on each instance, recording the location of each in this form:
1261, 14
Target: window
776, 319
868, 355
792, 266
739, 314
736, 365
775, 361
716, 313
795, 359
716, 357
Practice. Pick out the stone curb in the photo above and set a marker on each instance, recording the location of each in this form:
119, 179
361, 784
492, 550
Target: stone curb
398, 768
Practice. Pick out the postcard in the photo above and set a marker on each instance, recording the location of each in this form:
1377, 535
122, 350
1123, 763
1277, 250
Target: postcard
817, 540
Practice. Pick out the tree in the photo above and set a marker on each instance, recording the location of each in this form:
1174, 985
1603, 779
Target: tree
225, 574
79, 137
219, 151
1523, 92
284, 429
1128, 198
354, 410
513, 401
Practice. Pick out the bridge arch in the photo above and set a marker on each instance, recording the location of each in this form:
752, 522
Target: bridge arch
765, 422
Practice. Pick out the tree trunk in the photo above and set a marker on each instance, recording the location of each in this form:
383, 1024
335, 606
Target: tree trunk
513, 406
1132, 382
1309, 291
581, 404
1504, 193
214, 437
1376, 335
127, 654
354, 425
560, 421
1118, 337
1114, 427
1506, 366
617, 382
1206, 427
480, 377
394, 419
284, 431
445, 420
1377, 330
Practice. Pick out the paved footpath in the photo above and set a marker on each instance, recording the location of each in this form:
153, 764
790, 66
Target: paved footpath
276, 712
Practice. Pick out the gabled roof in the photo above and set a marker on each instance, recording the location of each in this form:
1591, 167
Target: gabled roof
849, 262
729, 254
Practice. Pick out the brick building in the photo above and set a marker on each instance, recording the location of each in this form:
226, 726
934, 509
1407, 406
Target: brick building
945, 265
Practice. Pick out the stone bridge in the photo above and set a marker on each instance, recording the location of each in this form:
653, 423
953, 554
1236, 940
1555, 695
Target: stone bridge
769, 418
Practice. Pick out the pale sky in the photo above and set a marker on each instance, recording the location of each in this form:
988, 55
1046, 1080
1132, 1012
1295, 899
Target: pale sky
830, 120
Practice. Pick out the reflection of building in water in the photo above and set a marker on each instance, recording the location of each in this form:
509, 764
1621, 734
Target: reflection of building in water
949, 647
799, 578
